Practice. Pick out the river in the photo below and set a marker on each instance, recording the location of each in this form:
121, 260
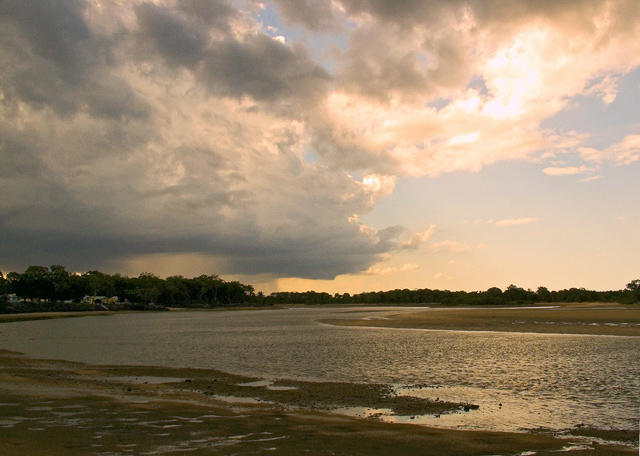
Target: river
521, 381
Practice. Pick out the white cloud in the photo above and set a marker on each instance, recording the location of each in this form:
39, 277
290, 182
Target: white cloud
442, 276
566, 171
515, 222
418, 239
606, 89
135, 129
623, 153
591, 178
528, 67
390, 270
450, 246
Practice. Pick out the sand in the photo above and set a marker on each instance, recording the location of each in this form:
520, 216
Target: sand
62, 408
603, 319
53, 408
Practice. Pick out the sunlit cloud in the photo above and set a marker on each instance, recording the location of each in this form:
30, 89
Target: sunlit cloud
390, 270
442, 276
566, 171
449, 246
418, 239
591, 178
515, 222
623, 153
178, 133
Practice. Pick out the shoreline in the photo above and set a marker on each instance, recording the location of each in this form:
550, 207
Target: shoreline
567, 320
157, 410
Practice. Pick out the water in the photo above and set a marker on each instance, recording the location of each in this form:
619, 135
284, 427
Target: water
520, 381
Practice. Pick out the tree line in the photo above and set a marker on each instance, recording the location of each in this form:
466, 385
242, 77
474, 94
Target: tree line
40, 284
57, 285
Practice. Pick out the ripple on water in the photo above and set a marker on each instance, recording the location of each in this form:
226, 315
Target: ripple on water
542, 380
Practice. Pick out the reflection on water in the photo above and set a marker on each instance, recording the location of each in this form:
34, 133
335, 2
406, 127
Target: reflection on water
540, 380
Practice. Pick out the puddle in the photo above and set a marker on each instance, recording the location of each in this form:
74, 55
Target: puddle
365, 412
147, 380
269, 385
239, 400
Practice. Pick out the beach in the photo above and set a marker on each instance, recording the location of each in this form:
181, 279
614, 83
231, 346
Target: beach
53, 407
588, 319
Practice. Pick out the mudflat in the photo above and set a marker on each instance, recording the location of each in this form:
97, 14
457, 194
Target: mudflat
53, 408
596, 319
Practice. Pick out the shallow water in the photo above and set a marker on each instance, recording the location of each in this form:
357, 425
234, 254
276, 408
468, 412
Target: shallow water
541, 380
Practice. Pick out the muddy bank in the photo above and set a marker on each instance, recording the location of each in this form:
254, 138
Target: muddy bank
612, 320
63, 408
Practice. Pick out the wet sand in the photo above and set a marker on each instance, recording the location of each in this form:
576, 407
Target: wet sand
602, 319
8, 318
53, 408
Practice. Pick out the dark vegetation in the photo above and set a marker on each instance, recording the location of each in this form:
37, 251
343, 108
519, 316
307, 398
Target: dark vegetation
55, 289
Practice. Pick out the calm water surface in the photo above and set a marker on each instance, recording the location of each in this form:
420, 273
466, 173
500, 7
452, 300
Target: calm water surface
540, 380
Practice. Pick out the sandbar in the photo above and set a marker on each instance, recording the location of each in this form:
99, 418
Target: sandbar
55, 408
587, 319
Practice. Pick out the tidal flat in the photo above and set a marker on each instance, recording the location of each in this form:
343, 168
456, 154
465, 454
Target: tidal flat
106, 408
52, 408
588, 319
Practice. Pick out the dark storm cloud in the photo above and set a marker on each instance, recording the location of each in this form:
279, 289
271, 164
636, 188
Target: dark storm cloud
214, 13
496, 13
137, 129
262, 68
176, 39
257, 65
57, 32
316, 15
52, 59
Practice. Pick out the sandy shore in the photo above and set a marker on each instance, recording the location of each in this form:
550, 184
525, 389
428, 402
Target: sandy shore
55, 408
602, 319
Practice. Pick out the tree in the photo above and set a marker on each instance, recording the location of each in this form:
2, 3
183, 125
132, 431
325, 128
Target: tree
149, 287
633, 289
208, 287
4, 288
98, 283
67, 286
517, 294
544, 295
34, 283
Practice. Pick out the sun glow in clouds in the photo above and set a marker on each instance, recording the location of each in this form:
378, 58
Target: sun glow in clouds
317, 139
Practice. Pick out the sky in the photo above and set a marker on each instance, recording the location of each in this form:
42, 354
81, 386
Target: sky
327, 145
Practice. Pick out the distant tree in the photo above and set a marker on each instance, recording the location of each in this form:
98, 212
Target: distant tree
148, 288
235, 293
4, 288
543, 294
517, 294
208, 287
97, 283
34, 283
175, 292
67, 286
633, 289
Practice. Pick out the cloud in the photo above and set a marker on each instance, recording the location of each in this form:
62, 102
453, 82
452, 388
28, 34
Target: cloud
607, 89
450, 246
442, 276
315, 15
390, 270
172, 148
418, 239
566, 171
590, 178
515, 222
623, 153
179, 129
498, 72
